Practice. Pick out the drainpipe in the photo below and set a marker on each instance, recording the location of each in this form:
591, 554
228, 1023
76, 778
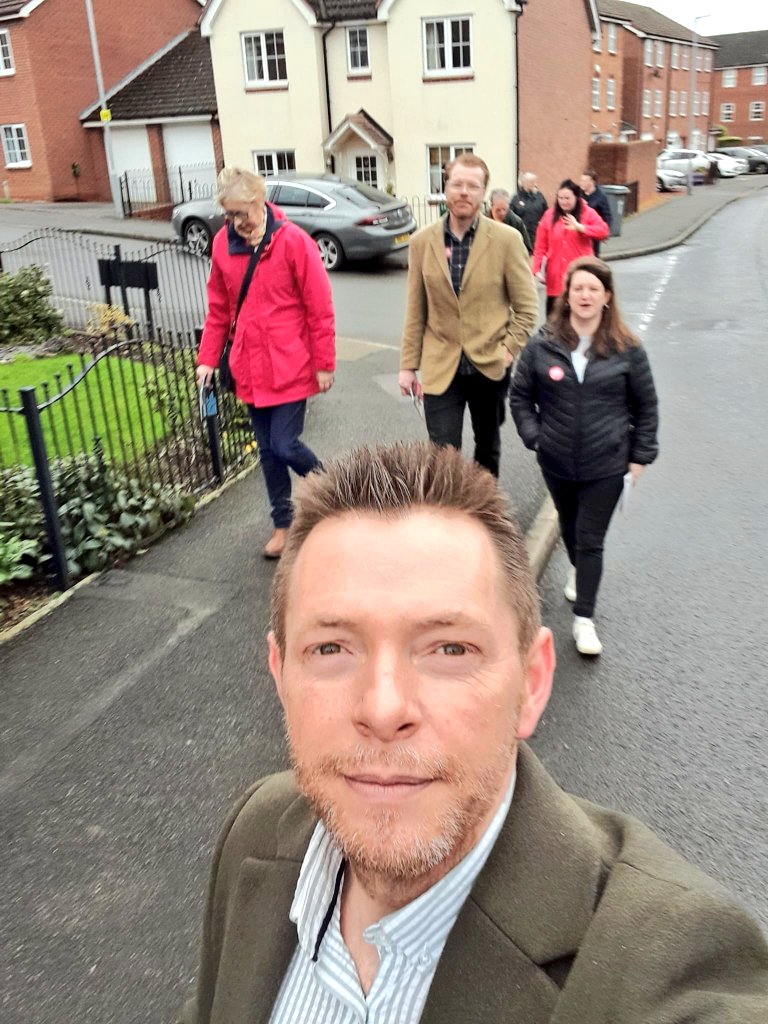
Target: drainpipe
324, 18
518, 15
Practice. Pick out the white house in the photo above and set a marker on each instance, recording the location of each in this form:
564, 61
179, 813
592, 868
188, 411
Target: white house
386, 92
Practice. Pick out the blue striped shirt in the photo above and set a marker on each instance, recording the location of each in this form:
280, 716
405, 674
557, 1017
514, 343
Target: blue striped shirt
321, 985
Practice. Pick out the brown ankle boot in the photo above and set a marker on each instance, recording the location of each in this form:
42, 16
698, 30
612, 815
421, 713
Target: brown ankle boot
274, 546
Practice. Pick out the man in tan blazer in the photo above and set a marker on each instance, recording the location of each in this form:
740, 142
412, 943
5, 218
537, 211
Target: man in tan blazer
419, 865
471, 306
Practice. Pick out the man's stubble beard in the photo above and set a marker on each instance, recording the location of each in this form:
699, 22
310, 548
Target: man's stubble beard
401, 867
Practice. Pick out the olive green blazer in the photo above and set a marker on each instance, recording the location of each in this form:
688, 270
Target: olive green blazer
580, 916
497, 308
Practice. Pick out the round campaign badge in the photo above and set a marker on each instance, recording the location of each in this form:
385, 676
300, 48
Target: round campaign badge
556, 373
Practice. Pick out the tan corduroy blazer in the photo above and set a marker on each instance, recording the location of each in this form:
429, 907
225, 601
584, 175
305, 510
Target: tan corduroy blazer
496, 309
580, 916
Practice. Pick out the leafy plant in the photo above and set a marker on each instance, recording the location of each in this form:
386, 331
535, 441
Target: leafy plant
110, 320
26, 314
105, 513
17, 556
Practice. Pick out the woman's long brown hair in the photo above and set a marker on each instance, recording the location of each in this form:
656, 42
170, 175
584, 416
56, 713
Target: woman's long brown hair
612, 334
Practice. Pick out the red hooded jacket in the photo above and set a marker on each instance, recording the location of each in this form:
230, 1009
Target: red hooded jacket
562, 246
286, 330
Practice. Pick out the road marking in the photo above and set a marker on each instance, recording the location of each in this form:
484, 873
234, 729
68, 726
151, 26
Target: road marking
646, 318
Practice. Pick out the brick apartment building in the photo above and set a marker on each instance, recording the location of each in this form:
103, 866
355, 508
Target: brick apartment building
47, 80
650, 76
554, 84
740, 94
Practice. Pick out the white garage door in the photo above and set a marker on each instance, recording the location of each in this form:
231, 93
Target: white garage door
130, 149
190, 160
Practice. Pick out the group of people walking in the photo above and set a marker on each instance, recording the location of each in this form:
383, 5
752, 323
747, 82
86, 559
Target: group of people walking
581, 394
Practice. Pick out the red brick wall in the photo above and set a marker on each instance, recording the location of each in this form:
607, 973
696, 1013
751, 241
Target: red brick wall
741, 96
17, 101
626, 163
606, 66
555, 78
61, 83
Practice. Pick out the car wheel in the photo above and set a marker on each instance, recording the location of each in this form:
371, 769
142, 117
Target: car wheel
331, 252
660, 185
762, 168
197, 237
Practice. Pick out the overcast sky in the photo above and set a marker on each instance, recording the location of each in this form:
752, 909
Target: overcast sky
726, 15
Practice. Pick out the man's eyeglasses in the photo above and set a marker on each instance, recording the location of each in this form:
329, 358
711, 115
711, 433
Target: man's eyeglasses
460, 186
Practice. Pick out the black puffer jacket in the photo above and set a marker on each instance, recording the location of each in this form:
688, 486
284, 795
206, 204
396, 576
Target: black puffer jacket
584, 431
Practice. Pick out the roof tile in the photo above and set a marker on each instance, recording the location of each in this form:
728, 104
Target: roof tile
741, 49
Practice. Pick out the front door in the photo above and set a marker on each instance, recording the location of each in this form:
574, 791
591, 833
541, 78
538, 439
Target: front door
363, 165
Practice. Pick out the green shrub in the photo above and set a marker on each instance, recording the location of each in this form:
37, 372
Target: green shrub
26, 314
17, 556
106, 515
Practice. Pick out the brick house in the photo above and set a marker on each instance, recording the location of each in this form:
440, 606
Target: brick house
554, 79
47, 79
166, 140
740, 95
662, 75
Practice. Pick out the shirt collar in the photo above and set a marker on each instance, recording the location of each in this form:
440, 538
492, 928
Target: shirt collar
419, 930
470, 232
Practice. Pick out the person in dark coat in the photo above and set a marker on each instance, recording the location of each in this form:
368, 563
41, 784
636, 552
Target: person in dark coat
528, 203
597, 199
501, 211
584, 400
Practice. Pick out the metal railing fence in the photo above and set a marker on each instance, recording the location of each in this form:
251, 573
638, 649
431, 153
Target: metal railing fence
74, 264
141, 191
135, 400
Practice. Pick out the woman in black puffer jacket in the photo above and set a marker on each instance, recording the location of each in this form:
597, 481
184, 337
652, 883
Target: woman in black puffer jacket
583, 399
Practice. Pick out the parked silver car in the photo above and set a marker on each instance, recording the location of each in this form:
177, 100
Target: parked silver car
348, 219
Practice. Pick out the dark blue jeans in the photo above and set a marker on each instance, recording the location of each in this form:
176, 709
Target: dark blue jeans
277, 429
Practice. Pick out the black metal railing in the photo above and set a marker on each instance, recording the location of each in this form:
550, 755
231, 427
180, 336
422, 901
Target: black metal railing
134, 401
74, 264
142, 191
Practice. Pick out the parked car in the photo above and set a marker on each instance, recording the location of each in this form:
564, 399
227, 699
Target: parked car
757, 161
668, 179
348, 219
685, 160
728, 166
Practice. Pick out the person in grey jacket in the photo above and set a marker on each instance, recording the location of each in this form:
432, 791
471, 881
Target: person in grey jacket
500, 210
584, 400
597, 199
528, 203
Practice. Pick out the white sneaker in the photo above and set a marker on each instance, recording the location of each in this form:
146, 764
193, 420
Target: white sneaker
585, 635
569, 590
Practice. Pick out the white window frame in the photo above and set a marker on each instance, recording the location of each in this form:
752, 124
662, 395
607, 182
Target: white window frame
371, 161
730, 78
275, 157
265, 82
20, 144
757, 110
659, 54
596, 92
361, 69
7, 67
658, 103
673, 102
760, 74
612, 36
648, 53
708, 60
682, 105
699, 60
727, 112
696, 103
597, 43
674, 57
684, 58
705, 103
646, 102
610, 93
454, 148
450, 70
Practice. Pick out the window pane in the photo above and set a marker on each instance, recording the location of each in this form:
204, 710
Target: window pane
435, 35
292, 195
316, 201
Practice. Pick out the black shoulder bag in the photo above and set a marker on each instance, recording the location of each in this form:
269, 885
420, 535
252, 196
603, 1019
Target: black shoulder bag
225, 373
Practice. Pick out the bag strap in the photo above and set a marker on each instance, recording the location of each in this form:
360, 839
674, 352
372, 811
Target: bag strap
248, 277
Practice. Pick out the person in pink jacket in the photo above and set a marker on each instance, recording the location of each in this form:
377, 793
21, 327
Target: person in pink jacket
565, 232
283, 350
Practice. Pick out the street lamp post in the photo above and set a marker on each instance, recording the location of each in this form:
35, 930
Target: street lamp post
691, 106
114, 184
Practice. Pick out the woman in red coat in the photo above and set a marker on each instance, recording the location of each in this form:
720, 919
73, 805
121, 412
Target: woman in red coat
565, 233
283, 349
